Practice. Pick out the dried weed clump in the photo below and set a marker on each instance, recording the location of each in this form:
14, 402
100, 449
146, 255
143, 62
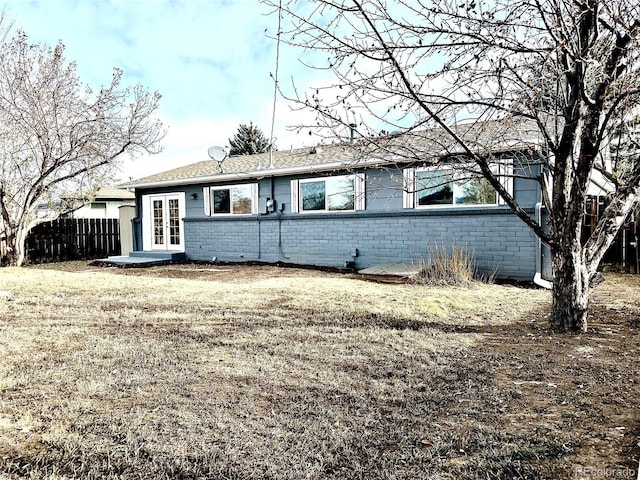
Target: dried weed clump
446, 267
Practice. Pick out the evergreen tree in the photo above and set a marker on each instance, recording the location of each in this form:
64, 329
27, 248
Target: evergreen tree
248, 140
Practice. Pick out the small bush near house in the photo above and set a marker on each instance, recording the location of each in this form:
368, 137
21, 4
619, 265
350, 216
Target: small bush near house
446, 267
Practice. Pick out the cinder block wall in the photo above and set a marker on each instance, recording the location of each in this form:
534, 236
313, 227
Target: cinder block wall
496, 238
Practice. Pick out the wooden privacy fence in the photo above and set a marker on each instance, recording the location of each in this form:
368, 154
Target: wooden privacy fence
73, 239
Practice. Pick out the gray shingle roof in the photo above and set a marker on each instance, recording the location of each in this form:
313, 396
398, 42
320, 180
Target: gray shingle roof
112, 192
409, 146
258, 165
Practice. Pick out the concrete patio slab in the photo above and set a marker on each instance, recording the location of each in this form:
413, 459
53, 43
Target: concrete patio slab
391, 272
126, 261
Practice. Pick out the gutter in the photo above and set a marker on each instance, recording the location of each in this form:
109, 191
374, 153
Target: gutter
541, 282
537, 278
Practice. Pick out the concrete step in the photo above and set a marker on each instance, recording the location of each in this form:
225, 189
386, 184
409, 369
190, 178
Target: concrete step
139, 259
161, 255
395, 272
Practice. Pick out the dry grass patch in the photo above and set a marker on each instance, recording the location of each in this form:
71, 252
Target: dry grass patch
195, 371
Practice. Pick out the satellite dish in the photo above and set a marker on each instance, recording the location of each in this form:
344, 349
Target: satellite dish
217, 153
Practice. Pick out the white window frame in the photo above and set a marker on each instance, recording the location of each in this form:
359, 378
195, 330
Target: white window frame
359, 193
208, 206
411, 188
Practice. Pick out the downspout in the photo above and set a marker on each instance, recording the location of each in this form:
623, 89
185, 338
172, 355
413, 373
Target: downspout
259, 236
537, 278
266, 212
279, 209
637, 255
624, 246
635, 242
273, 198
280, 250
136, 225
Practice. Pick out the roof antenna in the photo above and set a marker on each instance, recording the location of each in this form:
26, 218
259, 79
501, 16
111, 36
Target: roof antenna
275, 83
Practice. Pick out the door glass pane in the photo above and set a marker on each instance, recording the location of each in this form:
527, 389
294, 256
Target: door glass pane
158, 222
313, 195
174, 222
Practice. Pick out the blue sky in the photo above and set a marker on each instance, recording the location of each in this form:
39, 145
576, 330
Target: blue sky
210, 59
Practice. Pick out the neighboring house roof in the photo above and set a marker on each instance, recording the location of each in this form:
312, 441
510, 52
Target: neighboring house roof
423, 144
104, 194
113, 193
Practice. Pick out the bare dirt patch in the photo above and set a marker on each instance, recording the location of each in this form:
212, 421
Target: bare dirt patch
198, 371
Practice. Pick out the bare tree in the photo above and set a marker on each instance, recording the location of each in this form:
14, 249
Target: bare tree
59, 137
569, 68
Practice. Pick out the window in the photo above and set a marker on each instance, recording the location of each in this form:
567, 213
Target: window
444, 186
98, 209
231, 199
342, 193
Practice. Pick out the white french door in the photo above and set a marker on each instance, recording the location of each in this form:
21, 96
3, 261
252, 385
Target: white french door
163, 221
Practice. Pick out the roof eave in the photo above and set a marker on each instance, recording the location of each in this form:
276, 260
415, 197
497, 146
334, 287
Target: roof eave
256, 174
321, 167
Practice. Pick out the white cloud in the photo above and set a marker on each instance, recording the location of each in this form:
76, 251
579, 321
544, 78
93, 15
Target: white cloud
210, 59
187, 141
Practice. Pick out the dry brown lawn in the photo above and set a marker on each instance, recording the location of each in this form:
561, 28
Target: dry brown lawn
205, 371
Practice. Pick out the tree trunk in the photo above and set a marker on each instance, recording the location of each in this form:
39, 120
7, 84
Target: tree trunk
571, 289
15, 248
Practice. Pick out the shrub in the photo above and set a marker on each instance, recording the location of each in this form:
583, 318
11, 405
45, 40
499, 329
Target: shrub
446, 267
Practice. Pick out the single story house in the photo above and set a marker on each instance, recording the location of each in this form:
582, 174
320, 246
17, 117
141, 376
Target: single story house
105, 203
347, 205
